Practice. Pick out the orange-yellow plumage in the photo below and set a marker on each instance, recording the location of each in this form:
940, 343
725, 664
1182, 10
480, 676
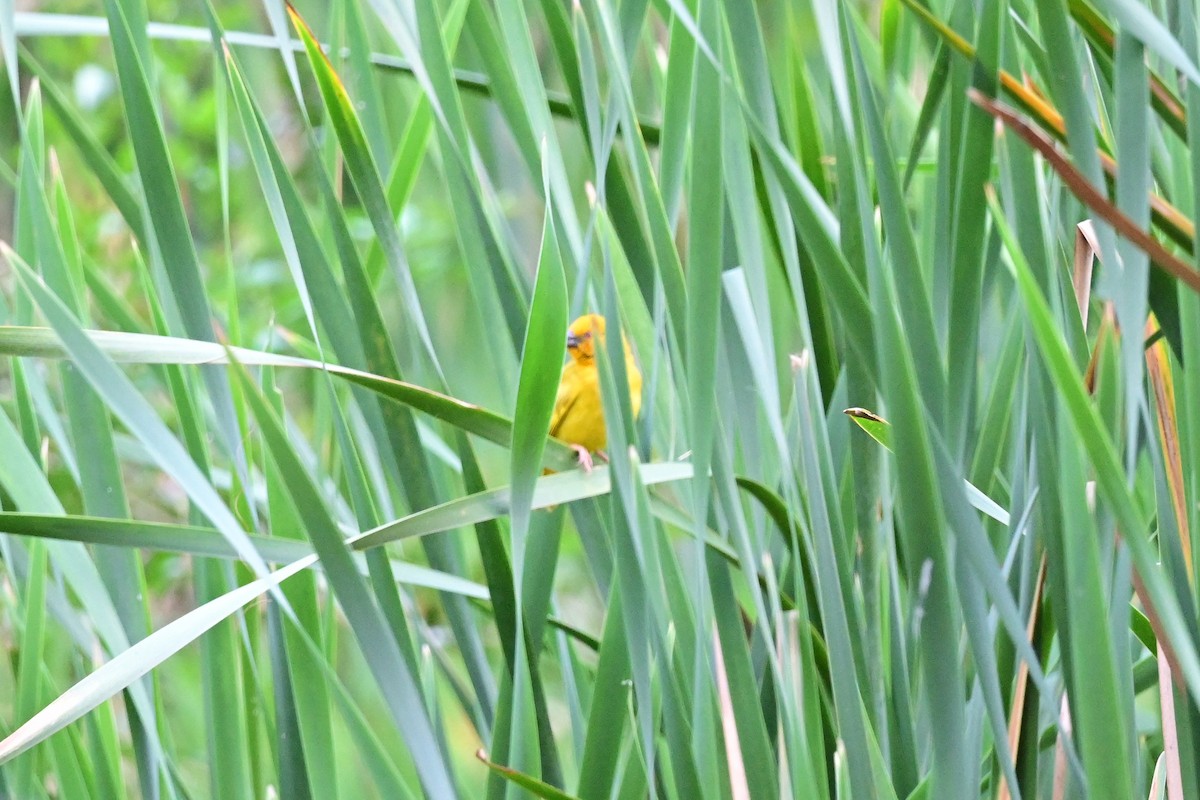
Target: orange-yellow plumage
578, 417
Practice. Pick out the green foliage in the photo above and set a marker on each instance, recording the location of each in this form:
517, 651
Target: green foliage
907, 509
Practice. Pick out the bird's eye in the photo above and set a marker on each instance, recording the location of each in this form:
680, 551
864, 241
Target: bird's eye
574, 340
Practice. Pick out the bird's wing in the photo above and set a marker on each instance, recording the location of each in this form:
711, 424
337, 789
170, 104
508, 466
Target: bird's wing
568, 395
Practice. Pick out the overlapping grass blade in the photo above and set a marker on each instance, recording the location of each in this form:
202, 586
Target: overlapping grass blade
150, 349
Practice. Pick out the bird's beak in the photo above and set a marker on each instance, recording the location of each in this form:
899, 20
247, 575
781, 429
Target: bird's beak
573, 341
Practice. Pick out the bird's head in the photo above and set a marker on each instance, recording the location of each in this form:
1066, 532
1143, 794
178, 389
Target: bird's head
582, 335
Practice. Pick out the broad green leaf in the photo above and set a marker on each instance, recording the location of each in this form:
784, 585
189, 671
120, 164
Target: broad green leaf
139, 348
129, 665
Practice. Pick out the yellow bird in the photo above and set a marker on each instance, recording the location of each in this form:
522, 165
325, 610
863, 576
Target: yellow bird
578, 417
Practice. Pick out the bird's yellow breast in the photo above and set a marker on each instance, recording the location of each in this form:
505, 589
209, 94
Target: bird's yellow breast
579, 412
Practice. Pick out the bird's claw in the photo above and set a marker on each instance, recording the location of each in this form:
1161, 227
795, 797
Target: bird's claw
585, 458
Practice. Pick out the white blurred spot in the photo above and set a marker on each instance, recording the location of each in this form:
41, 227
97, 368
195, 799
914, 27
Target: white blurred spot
93, 84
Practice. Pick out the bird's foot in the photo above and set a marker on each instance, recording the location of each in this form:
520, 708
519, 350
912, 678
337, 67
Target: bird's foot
585, 458
603, 456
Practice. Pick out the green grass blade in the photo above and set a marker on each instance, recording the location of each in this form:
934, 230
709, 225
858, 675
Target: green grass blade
126, 667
